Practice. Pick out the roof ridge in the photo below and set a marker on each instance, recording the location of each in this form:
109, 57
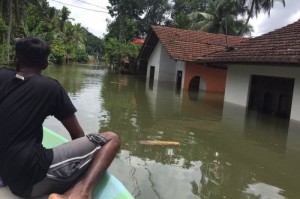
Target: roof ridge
187, 45
193, 31
279, 46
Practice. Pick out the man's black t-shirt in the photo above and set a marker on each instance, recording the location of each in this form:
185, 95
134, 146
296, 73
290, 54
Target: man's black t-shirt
24, 105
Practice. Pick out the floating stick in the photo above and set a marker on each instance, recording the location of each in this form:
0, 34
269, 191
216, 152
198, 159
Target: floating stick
158, 142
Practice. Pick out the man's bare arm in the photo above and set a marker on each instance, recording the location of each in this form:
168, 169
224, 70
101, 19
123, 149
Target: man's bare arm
72, 125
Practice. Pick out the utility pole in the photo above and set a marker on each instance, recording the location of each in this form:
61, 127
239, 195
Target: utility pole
224, 20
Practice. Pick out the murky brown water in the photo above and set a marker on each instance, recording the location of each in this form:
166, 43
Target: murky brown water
224, 151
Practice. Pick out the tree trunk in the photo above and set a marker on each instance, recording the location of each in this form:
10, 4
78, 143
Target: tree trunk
17, 10
10, 20
241, 32
2, 53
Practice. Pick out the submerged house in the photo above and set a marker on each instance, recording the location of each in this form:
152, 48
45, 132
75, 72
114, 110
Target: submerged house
170, 55
263, 73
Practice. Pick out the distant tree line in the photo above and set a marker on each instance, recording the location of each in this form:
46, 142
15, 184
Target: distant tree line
131, 19
23, 18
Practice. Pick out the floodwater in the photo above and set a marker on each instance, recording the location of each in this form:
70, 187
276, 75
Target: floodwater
224, 152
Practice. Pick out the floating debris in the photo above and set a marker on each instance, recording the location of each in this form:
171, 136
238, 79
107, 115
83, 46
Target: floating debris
158, 142
118, 83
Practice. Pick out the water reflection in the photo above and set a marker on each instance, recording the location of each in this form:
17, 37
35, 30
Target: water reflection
263, 191
83, 87
225, 151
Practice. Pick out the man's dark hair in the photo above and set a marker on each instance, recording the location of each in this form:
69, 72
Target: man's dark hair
32, 52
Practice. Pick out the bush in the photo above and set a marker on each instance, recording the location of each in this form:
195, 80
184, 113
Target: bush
57, 56
4, 51
81, 56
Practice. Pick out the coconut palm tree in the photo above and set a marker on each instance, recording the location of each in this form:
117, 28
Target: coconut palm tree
220, 17
253, 7
74, 37
181, 21
65, 12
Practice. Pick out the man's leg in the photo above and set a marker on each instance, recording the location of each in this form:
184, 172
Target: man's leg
84, 187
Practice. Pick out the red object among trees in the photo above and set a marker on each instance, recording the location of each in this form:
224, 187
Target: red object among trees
138, 41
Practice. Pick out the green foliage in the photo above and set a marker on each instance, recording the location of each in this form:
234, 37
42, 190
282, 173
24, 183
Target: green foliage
132, 50
181, 21
115, 51
64, 16
123, 28
58, 52
39, 22
132, 18
207, 15
4, 50
36, 18
81, 56
112, 51
94, 45
185, 7
3, 26
221, 17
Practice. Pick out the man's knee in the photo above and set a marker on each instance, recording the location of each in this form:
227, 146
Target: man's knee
111, 137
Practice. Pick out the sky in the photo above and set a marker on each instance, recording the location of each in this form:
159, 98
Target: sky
95, 21
279, 16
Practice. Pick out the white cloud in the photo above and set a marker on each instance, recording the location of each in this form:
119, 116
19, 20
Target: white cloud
280, 16
295, 16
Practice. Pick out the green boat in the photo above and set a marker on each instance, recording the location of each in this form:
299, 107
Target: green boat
108, 187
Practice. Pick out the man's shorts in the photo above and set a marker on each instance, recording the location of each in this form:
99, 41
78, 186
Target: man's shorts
70, 161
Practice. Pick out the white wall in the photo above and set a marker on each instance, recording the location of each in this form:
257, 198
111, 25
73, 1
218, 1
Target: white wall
167, 68
238, 83
295, 113
293, 143
154, 60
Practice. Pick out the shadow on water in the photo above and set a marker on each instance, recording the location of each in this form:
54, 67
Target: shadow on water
225, 151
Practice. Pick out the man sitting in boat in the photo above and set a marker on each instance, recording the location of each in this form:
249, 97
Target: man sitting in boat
26, 99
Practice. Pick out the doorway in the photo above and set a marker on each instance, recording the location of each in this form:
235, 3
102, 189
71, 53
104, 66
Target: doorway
272, 95
194, 84
179, 80
151, 77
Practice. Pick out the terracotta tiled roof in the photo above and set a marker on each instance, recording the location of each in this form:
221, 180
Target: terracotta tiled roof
186, 45
281, 46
